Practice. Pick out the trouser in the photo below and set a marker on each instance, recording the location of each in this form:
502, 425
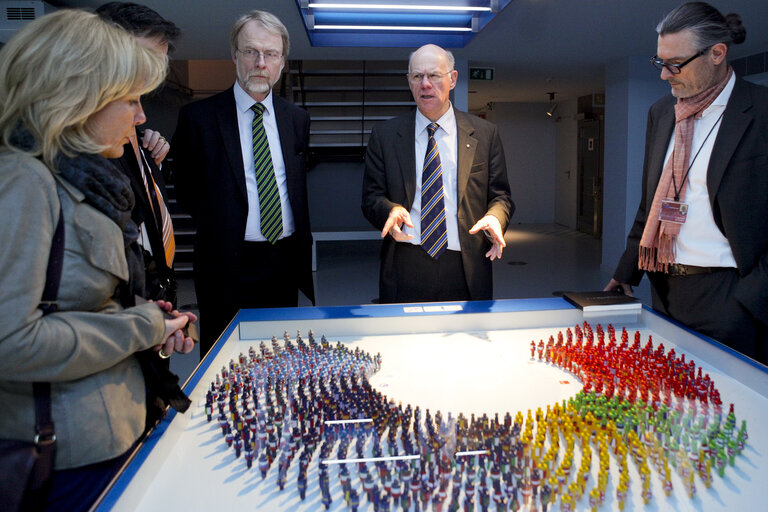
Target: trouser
706, 303
266, 278
76, 489
421, 278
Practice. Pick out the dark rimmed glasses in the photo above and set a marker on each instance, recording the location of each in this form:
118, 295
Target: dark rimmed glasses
675, 69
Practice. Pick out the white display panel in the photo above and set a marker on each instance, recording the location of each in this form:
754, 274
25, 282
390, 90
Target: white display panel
474, 360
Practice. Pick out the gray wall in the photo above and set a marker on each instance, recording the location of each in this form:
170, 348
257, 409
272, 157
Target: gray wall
335, 192
631, 86
566, 163
529, 139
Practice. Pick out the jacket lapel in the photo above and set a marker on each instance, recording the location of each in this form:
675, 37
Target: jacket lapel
226, 121
406, 156
284, 123
283, 126
735, 121
466, 147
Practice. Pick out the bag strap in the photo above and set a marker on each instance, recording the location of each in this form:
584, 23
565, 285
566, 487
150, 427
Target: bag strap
45, 436
53, 273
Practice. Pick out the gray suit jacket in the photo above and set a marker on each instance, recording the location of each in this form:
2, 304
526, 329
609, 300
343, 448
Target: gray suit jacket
737, 181
482, 187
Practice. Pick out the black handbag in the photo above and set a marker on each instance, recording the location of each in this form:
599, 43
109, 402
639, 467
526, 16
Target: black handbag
26, 467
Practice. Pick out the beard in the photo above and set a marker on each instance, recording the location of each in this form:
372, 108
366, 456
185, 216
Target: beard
254, 86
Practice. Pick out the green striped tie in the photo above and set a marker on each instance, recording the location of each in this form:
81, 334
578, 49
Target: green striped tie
269, 197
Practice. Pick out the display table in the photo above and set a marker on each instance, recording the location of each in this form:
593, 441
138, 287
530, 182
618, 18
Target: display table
473, 359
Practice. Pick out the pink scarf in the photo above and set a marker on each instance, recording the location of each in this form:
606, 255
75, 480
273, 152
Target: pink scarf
657, 245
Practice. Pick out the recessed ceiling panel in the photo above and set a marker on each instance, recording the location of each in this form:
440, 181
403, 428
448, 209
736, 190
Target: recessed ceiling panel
397, 23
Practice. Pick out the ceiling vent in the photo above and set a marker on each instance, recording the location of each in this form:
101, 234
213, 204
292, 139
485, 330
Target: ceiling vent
16, 14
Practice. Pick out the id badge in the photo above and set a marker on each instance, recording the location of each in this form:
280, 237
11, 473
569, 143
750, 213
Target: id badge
673, 211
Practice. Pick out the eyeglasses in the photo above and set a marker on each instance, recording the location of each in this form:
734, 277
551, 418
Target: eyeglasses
675, 68
416, 78
253, 55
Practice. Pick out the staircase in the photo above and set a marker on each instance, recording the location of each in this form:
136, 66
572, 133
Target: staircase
345, 99
183, 232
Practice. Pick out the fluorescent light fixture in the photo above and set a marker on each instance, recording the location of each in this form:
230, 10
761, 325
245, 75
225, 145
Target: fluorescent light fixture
392, 27
396, 23
380, 7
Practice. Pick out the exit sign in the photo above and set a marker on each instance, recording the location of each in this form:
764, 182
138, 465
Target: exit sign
481, 73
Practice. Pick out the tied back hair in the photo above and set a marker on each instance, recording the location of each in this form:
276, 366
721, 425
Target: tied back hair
708, 26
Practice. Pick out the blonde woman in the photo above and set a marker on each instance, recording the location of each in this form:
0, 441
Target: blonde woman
70, 87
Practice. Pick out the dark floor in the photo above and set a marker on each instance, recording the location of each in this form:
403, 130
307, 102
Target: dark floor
540, 260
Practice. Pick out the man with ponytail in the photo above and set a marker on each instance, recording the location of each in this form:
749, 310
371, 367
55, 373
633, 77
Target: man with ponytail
701, 231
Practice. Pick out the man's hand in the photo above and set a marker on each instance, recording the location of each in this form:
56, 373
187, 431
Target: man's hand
156, 145
492, 228
614, 285
397, 217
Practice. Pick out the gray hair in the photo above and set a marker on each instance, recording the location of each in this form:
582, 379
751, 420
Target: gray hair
268, 20
708, 26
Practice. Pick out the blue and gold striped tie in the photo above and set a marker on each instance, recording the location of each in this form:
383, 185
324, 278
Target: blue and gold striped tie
269, 197
434, 238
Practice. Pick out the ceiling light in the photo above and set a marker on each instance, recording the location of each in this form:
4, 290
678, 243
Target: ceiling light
392, 27
396, 23
552, 110
381, 7
552, 104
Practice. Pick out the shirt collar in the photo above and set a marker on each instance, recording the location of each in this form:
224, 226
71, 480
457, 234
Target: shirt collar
725, 94
447, 121
244, 101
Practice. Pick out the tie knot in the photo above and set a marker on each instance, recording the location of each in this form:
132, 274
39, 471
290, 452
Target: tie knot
432, 128
258, 109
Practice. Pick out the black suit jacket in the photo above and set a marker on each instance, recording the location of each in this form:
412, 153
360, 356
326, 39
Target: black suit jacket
210, 185
159, 278
482, 188
737, 182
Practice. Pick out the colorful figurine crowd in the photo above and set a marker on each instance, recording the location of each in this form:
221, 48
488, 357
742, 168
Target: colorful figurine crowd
640, 407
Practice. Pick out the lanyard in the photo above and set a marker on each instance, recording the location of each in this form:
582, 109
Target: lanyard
685, 177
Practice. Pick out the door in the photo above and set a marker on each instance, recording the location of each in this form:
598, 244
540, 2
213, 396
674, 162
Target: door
590, 178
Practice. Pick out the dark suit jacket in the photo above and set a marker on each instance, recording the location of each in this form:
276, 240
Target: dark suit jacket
159, 278
482, 187
737, 181
210, 185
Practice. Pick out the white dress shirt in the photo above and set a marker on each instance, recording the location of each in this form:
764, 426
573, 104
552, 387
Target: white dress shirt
245, 127
700, 242
446, 137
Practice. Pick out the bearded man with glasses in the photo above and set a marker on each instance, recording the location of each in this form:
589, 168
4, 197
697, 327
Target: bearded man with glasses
700, 231
436, 186
240, 160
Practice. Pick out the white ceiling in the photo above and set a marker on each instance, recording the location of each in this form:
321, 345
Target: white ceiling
535, 46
